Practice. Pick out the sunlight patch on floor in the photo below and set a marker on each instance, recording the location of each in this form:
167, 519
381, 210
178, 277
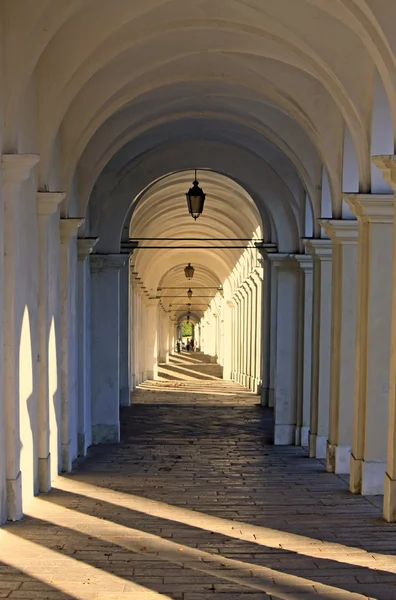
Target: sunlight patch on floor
65, 574
242, 531
262, 578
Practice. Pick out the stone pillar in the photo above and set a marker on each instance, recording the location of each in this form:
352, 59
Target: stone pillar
84, 249
15, 170
69, 336
47, 205
125, 386
387, 165
268, 324
172, 336
321, 251
105, 346
286, 357
258, 281
372, 368
163, 353
304, 410
151, 337
344, 235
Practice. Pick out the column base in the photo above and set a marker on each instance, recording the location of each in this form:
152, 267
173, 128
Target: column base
66, 458
367, 478
317, 445
338, 459
264, 396
14, 498
125, 396
105, 434
284, 435
271, 397
81, 444
297, 436
304, 437
44, 474
389, 510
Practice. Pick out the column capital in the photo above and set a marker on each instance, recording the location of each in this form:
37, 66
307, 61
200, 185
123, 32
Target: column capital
343, 231
47, 202
386, 163
85, 246
107, 261
266, 248
305, 262
375, 208
16, 167
69, 228
320, 249
282, 260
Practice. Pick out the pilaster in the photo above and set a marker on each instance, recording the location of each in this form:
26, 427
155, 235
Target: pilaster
321, 251
268, 321
85, 247
305, 263
387, 164
151, 338
47, 206
344, 235
69, 336
105, 346
374, 310
16, 169
286, 347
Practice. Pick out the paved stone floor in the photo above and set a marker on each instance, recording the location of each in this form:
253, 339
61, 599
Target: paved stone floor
196, 504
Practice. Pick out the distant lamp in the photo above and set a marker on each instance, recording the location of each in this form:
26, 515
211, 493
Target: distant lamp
189, 306
188, 318
189, 293
189, 271
195, 199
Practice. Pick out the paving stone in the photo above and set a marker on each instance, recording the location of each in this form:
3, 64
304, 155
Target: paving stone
196, 503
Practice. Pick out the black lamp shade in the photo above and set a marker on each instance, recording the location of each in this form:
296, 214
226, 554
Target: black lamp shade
195, 200
189, 293
189, 271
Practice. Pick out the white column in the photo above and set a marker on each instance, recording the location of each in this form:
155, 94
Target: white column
84, 249
321, 251
69, 335
15, 170
47, 205
172, 335
374, 311
228, 339
258, 281
388, 166
3, 478
132, 327
344, 235
151, 337
285, 390
125, 386
268, 324
304, 415
105, 346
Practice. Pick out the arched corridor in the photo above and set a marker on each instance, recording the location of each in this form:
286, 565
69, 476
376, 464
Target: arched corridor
262, 330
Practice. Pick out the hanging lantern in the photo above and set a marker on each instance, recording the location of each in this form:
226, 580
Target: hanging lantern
189, 271
189, 306
195, 199
189, 293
